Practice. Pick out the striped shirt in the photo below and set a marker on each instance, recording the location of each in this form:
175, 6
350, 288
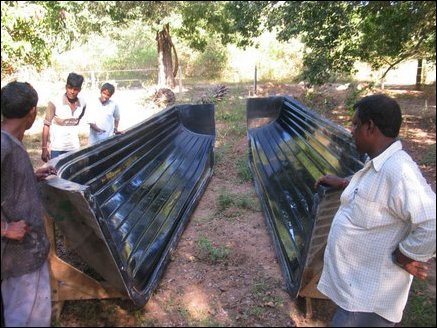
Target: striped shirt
386, 204
64, 121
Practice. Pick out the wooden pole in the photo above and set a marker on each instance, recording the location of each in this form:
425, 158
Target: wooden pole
255, 81
180, 78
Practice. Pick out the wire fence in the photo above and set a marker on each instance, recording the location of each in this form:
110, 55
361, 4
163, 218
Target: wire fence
129, 78
146, 77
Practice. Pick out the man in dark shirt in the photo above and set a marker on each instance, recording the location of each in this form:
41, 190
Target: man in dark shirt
25, 279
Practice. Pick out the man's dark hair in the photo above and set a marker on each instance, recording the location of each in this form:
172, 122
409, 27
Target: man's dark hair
75, 80
383, 111
17, 99
109, 87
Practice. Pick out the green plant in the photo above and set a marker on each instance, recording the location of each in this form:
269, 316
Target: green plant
206, 64
221, 152
244, 172
183, 312
256, 311
315, 99
420, 310
248, 202
429, 156
225, 200
214, 254
262, 291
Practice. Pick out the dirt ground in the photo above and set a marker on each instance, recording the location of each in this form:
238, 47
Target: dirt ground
236, 280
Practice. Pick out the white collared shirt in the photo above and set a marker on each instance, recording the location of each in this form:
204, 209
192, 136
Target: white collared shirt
386, 204
103, 115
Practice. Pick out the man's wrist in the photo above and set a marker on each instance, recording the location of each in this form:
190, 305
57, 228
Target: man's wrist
395, 260
4, 228
344, 183
400, 259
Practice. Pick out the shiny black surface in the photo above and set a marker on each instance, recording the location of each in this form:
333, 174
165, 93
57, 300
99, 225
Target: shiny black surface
290, 147
123, 203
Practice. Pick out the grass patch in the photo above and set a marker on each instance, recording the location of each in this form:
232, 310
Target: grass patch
222, 152
429, 156
210, 252
248, 203
227, 200
243, 170
421, 307
256, 311
262, 290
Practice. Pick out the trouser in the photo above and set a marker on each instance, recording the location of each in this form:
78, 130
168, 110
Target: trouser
343, 318
56, 153
27, 299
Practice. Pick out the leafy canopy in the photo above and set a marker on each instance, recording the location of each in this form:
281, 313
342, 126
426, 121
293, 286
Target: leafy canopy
336, 33
339, 33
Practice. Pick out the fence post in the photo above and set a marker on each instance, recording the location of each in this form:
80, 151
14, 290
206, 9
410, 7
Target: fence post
93, 81
254, 81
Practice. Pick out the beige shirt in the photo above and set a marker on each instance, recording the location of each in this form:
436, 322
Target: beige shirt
386, 204
64, 122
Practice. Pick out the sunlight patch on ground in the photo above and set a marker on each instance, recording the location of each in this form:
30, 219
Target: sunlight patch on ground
155, 310
196, 302
418, 135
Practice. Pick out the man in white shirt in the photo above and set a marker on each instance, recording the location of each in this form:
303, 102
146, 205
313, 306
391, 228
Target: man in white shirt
62, 119
104, 115
385, 229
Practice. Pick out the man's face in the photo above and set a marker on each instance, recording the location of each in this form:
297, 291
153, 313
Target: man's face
72, 92
105, 95
31, 116
359, 134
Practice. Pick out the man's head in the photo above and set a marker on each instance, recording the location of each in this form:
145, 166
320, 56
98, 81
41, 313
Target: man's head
383, 111
376, 117
73, 86
75, 80
18, 99
106, 92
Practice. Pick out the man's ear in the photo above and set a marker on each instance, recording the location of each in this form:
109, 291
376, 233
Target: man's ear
372, 126
32, 114
33, 110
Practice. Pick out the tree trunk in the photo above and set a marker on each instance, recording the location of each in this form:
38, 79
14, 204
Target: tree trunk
166, 77
419, 74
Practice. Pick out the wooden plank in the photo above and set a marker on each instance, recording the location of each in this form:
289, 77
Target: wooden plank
310, 290
67, 282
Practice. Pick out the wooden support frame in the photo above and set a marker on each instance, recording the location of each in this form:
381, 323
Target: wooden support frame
67, 282
310, 291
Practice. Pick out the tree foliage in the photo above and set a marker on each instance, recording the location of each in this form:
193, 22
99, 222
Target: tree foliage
33, 30
23, 38
396, 31
336, 33
339, 33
